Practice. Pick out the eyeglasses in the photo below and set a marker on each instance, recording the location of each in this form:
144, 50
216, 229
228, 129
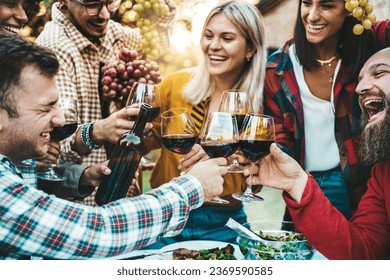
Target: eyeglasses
94, 7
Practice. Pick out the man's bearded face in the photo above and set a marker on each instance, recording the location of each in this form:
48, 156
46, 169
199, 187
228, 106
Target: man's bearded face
375, 142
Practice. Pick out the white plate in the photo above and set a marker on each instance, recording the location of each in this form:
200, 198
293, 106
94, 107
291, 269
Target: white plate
199, 245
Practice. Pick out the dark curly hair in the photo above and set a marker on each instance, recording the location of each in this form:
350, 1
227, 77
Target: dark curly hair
31, 7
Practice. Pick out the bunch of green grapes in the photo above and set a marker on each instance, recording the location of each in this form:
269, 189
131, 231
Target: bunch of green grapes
119, 77
362, 11
148, 15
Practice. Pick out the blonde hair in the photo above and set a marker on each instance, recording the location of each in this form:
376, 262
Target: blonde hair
247, 18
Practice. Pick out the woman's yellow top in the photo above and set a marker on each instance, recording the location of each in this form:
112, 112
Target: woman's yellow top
171, 90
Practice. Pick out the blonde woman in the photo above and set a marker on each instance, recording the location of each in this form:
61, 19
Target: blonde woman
234, 56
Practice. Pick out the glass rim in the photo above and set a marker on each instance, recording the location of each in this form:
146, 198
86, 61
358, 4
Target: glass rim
259, 115
170, 113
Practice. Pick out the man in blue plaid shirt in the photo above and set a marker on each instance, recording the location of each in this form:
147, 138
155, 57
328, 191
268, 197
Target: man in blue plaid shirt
33, 223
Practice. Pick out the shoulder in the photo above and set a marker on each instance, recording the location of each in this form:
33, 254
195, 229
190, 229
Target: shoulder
182, 75
54, 37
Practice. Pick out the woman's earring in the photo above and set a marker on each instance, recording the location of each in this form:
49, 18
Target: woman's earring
248, 59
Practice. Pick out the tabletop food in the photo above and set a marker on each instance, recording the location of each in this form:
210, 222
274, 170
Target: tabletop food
225, 253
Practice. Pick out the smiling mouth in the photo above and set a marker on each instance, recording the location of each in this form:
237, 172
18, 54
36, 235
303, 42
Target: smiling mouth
315, 27
217, 58
374, 108
11, 29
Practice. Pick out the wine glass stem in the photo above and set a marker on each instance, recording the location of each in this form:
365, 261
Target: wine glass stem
248, 191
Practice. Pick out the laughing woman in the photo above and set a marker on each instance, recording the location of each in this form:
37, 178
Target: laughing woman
234, 56
310, 90
14, 14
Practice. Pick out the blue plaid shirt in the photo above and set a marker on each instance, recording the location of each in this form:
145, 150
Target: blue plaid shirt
33, 223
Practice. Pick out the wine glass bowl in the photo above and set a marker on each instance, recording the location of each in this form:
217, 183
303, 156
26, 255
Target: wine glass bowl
146, 93
256, 136
219, 137
60, 133
178, 131
238, 103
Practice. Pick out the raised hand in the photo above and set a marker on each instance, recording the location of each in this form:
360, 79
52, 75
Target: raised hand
212, 180
278, 170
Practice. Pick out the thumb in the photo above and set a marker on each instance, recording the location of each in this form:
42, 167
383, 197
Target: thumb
105, 170
278, 154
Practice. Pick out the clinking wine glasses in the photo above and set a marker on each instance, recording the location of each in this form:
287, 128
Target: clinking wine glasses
178, 131
256, 137
219, 138
237, 102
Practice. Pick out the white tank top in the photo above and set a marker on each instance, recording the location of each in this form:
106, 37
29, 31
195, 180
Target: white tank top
321, 150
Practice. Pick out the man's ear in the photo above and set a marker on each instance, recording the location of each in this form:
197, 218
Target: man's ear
4, 118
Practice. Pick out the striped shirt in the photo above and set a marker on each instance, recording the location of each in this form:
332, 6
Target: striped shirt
33, 223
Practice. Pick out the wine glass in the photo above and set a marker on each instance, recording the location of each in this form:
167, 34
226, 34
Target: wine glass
256, 137
219, 138
178, 131
146, 93
60, 133
237, 102
150, 94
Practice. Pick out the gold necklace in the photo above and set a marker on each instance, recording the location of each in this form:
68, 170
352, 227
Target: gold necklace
328, 61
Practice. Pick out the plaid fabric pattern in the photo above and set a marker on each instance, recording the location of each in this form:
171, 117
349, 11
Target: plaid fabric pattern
283, 101
78, 76
33, 223
29, 172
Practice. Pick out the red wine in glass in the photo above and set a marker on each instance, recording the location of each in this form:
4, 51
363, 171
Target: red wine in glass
219, 149
219, 138
60, 133
179, 143
237, 102
178, 131
255, 149
256, 136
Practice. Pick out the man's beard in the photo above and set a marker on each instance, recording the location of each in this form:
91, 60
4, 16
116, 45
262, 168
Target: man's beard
375, 140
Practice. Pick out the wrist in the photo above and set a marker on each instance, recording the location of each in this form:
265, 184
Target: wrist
87, 136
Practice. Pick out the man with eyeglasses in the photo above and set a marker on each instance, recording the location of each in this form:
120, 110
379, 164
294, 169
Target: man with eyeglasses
84, 37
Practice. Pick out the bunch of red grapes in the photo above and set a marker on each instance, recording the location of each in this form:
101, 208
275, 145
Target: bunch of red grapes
118, 77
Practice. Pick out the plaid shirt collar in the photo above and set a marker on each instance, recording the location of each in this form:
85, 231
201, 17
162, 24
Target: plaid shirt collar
8, 162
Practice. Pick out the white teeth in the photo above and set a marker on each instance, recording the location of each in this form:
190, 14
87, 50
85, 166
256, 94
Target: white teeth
45, 134
215, 57
11, 29
316, 27
372, 101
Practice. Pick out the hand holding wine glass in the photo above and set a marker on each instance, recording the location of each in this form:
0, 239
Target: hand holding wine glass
150, 94
257, 135
178, 131
238, 103
58, 134
219, 138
